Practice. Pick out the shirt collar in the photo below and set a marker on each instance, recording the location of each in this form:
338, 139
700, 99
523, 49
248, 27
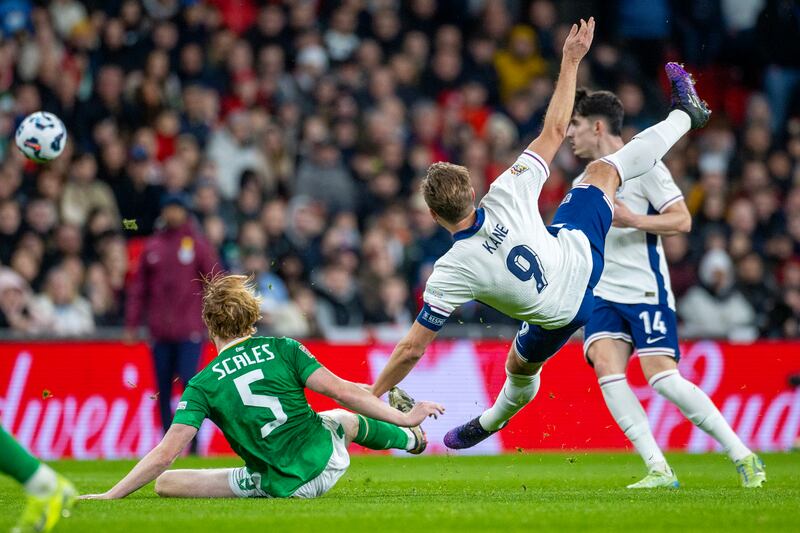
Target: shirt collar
480, 216
233, 343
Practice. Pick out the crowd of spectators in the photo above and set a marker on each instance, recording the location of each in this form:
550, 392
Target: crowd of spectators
300, 129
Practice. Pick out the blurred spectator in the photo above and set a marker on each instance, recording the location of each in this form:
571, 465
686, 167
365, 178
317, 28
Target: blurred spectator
137, 197
167, 294
520, 62
10, 223
682, 270
779, 19
16, 311
232, 150
338, 303
323, 177
393, 308
60, 310
715, 308
301, 130
758, 289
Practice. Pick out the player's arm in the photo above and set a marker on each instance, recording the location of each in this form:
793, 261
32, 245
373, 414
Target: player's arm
355, 398
559, 112
404, 357
674, 219
152, 465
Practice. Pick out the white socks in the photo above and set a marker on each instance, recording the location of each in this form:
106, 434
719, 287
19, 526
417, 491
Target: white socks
516, 393
648, 147
631, 418
698, 407
412, 439
42, 483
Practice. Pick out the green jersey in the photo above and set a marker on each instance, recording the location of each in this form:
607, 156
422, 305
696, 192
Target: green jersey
254, 391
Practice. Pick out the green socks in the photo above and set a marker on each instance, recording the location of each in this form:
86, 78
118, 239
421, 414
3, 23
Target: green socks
15, 460
377, 435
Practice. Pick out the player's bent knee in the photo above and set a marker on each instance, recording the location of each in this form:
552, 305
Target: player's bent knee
346, 419
602, 170
165, 485
602, 175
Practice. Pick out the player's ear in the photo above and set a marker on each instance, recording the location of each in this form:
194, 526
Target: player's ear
599, 127
434, 215
472, 189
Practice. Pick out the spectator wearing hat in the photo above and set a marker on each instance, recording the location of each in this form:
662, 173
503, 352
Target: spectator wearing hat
166, 290
138, 199
716, 308
16, 311
518, 64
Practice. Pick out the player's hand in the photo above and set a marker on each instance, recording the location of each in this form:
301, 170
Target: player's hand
103, 496
579, 40
423, 410
623, 217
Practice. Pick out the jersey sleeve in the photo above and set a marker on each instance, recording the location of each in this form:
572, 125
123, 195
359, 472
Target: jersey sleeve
660, 189
524, 178
192, 409
302, 360
445, 290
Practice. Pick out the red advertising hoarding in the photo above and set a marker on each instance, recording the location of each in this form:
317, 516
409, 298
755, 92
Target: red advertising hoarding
97, 399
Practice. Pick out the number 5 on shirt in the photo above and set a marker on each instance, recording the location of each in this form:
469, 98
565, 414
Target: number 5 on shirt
260, 400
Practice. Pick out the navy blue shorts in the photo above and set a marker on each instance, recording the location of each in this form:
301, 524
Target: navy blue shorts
651, 329
587, 209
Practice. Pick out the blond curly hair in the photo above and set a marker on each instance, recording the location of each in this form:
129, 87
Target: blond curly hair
231, 308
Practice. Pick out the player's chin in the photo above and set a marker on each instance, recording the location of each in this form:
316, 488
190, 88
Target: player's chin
577, 151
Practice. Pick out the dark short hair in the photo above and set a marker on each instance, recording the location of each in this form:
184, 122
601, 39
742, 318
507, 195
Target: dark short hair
604, 104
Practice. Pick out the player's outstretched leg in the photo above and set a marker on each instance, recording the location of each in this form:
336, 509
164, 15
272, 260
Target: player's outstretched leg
50, 495
701, 411
648, 147
379, 435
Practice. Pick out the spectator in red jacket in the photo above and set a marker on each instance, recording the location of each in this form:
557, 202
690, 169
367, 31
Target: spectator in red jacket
166, 291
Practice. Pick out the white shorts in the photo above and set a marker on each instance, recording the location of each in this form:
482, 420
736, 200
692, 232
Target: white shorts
247, 484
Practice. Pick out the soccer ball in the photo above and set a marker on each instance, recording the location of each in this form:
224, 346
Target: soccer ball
41, 136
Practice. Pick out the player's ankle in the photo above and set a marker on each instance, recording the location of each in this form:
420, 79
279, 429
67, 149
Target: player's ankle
661, 467
42, 483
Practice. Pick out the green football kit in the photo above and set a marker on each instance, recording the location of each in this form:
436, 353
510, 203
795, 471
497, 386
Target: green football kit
254, 392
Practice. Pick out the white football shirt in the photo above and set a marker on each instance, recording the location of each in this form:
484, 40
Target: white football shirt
509, 261
635, 270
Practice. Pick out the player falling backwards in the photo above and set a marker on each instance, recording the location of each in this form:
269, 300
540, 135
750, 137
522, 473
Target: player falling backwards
505, 256
633, 302
50, 495
254, 392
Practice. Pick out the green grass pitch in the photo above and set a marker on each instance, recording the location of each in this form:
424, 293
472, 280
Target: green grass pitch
519, 492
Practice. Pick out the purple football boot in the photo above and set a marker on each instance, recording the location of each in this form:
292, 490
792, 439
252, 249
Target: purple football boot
468, 435
684, 96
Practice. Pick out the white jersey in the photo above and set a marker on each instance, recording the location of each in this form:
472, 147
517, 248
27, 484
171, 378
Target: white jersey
509, 261
635, 269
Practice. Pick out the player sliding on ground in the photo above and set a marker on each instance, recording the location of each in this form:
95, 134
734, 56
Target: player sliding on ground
505, 256
50, 495
254, 392
634, 305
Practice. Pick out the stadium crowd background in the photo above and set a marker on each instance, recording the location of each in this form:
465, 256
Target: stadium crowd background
298, 131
